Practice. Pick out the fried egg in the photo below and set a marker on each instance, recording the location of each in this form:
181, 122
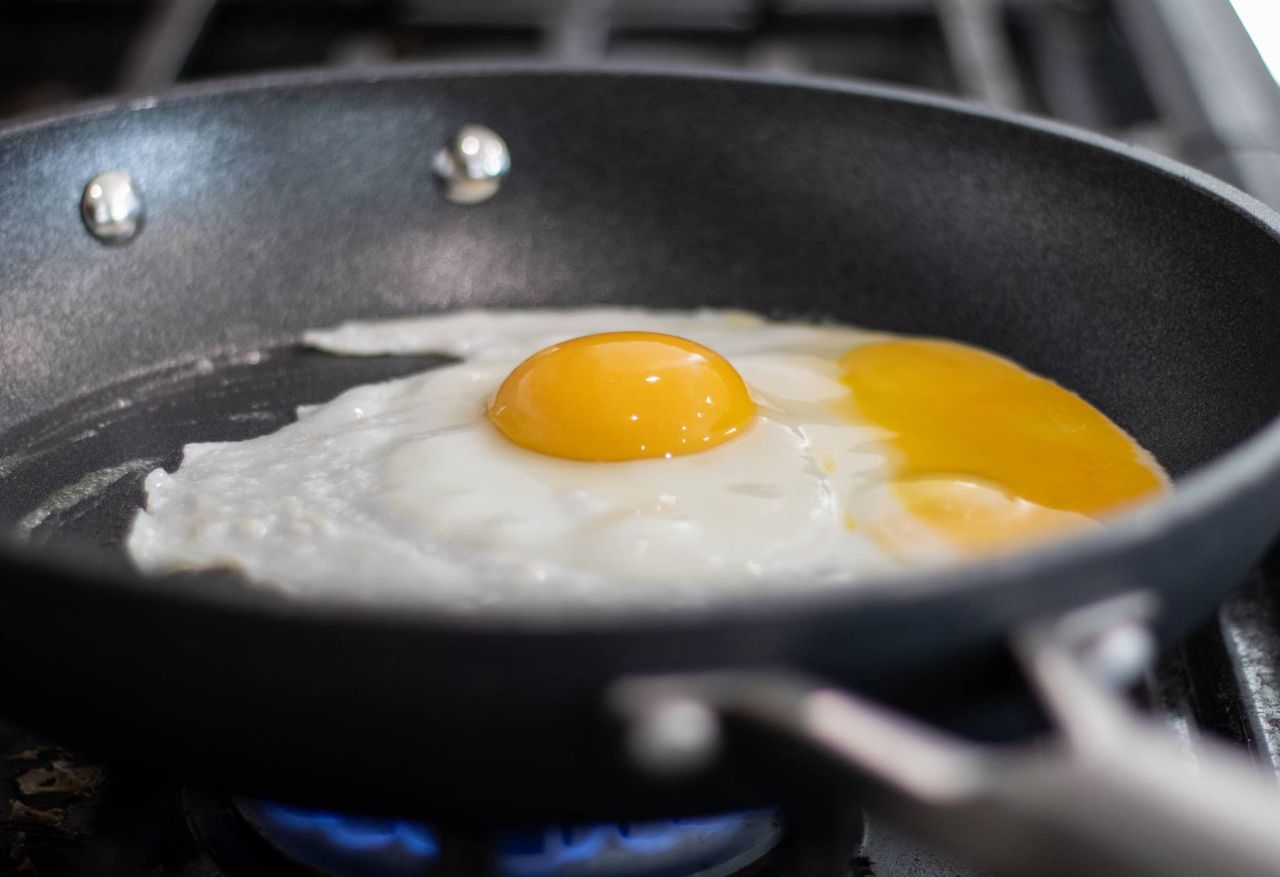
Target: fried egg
619, 456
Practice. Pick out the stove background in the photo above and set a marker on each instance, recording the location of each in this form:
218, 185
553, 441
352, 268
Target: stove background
1184, 78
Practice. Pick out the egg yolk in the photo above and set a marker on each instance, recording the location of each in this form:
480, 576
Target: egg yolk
622, 396
971, 416
975, 518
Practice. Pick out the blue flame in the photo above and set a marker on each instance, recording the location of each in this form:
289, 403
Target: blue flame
533, 854
354, 833
343, 843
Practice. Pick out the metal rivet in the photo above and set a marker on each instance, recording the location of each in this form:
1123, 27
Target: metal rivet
674, 736
472, 164
112, 207
1119, 655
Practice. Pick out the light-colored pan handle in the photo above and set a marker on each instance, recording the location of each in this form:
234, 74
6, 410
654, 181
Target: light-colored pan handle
1112, 794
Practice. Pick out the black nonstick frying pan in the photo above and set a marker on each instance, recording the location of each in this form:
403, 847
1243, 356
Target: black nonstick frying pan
280, 204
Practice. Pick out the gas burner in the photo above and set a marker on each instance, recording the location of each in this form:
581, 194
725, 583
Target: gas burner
245, 836
349, 846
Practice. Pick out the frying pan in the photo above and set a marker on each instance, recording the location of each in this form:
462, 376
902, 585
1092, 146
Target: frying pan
288, 202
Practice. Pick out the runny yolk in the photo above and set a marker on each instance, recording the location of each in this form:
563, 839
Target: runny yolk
973, 418
622, 396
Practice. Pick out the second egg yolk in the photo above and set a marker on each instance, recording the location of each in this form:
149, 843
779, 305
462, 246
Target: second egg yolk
622, 396
959, 418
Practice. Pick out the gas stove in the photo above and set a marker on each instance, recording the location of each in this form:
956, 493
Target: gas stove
64, 814
1184, 78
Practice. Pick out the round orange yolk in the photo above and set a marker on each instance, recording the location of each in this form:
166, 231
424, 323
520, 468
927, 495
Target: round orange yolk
622, 396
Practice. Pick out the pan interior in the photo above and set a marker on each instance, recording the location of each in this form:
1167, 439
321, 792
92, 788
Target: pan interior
74, 474
1152, 298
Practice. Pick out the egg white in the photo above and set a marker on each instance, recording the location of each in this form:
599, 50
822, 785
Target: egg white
404, 492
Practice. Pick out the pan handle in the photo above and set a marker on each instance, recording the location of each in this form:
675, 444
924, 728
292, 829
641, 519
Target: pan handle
1112, 793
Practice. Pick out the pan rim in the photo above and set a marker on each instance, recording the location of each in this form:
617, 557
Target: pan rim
1197, 494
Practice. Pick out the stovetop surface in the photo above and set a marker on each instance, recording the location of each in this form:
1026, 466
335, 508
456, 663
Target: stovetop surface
1150, 73
64, 813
